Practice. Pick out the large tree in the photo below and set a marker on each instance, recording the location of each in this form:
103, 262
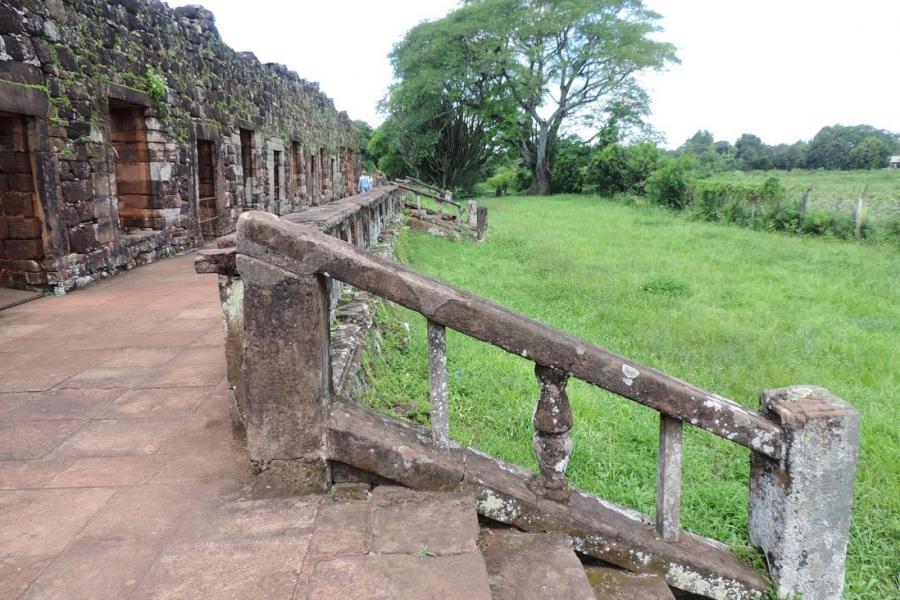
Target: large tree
440, 141
531, 68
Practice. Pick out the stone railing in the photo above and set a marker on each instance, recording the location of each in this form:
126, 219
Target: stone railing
438, 222
803, 441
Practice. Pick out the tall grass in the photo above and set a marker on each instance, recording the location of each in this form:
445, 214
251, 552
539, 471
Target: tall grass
730, 309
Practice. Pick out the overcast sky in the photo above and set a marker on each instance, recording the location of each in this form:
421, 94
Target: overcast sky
778, 68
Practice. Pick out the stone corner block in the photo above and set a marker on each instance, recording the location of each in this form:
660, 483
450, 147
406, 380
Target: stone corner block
800, 505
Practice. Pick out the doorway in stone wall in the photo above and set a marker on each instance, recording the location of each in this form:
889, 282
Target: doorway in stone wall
128, 130
276, 179
207, 203
296, 174
311, 181
324, 175
21, 225
248, 139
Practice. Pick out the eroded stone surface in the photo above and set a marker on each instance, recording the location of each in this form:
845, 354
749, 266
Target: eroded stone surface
528, 566
612, 584
407, 522
401, 577
800, 506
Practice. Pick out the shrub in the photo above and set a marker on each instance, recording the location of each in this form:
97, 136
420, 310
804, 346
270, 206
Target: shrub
615, 169
570, 166
504, 179
670, 185
747, 203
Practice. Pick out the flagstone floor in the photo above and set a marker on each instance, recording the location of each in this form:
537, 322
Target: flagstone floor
119, 477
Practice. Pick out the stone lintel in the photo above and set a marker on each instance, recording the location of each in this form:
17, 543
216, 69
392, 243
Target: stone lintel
23, 99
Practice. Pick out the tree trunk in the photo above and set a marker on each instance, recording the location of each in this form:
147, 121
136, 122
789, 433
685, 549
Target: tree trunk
540, 180
540, 172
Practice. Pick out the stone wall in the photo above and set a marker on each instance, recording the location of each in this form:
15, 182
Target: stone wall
140, 133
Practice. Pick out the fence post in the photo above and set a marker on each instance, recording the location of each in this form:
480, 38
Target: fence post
858, 213
800, 505
286, 377
803, 202
482, 222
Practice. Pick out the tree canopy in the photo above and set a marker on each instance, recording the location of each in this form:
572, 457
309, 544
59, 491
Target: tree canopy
522, 71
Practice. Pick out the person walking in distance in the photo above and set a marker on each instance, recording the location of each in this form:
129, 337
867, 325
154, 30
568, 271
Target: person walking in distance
365, 183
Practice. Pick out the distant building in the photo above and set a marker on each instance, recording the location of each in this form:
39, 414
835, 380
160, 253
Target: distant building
894, 162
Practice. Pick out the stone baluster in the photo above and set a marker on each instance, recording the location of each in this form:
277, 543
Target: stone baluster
552, 421
437, 378
668, 479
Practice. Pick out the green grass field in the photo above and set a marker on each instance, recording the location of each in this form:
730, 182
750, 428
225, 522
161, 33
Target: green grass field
836, 190
729, 309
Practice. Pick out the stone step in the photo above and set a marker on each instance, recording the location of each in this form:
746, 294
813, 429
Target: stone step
614, 584
534, 566
425, 523
419, 545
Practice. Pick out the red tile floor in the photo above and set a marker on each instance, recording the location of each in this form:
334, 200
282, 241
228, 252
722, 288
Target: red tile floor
119, 477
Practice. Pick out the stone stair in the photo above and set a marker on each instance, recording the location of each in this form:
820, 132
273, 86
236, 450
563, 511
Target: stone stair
429, 545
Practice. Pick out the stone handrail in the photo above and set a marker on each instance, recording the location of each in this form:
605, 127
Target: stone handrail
803, 442
308, 251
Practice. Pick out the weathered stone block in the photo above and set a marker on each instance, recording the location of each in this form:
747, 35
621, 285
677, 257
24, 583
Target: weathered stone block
27, 249
22, 229
341, 492
800, 505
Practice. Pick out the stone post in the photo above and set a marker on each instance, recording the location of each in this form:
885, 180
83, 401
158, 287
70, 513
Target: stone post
473, 212
800, 505
286, 377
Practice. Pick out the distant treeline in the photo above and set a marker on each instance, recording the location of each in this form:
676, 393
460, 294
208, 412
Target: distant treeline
837, 147
610, 166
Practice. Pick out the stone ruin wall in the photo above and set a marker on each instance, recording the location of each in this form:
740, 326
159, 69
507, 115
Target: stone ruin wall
102, 167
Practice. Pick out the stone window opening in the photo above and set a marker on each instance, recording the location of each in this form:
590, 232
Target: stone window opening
128, 134
207, 202
247, 142
21, 226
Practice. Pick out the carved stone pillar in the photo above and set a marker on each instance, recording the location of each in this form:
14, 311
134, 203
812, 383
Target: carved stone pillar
552, 422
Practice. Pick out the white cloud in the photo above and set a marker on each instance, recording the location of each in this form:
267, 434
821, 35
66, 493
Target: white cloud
778, 68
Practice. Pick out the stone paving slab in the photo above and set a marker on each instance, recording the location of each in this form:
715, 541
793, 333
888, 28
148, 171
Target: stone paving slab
400, 577
407, 522
535, 566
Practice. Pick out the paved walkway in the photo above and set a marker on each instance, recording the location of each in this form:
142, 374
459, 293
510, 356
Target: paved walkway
118, 474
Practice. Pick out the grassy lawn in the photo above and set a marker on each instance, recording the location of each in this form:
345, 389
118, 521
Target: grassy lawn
729, 309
